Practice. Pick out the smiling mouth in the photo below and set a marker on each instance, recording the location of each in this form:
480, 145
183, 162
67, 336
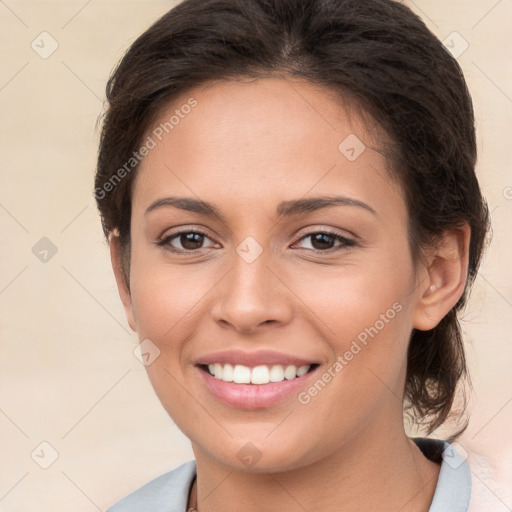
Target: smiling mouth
258, 375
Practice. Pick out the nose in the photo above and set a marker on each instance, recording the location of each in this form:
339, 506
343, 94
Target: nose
252, 296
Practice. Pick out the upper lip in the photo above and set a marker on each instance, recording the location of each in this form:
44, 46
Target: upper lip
257, 358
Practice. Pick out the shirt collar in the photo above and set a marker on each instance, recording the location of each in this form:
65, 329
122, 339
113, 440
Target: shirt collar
453, 489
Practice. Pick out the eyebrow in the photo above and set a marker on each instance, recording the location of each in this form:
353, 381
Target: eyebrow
284, 209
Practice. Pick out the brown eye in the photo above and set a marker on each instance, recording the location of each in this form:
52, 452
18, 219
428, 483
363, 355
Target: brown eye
191, 241
184, 241
323, 241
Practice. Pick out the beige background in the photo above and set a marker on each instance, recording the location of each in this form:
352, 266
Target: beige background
68, 375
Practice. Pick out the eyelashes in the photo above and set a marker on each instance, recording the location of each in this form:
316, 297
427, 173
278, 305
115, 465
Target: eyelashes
190, 238
181, 235
322, 236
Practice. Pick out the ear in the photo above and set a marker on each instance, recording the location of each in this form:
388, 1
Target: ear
445, 278
122, 285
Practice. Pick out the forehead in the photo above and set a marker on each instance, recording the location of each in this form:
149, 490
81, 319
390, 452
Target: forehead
269, 138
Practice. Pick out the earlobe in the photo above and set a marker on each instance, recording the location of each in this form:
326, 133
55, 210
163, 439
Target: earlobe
445, 280
122, 284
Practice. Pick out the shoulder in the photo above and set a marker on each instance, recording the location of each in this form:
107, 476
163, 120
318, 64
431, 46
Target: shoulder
166, 493
453, 490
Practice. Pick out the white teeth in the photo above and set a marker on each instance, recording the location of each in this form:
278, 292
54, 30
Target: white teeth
241, 374
276, 373
262, 374
228, 373
217, 370
302, 370
290, 372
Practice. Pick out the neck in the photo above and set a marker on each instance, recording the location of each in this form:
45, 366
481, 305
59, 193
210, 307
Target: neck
386, 469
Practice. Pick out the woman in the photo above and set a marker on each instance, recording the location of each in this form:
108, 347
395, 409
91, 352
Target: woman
288, 190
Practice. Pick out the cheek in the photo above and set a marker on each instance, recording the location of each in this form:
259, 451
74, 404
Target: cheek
165, 301
164, 297
366, 316
365, 290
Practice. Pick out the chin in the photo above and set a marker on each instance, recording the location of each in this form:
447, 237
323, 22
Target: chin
258, 455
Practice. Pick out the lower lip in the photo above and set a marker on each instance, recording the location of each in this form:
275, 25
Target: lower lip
255, 396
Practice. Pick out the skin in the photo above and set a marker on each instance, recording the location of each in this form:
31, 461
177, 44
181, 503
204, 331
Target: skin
245, 148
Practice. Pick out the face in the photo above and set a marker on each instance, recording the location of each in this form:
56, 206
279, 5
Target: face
271, 272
